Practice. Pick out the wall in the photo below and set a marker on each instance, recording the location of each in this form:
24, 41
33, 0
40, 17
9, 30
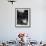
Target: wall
8, 31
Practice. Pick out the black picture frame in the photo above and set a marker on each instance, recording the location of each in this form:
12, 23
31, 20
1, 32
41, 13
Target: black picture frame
22, 17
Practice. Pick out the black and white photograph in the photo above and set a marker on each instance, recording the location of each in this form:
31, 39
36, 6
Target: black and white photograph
22, 17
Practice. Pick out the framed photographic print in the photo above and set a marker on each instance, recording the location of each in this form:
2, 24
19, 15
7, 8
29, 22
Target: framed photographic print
22, 17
